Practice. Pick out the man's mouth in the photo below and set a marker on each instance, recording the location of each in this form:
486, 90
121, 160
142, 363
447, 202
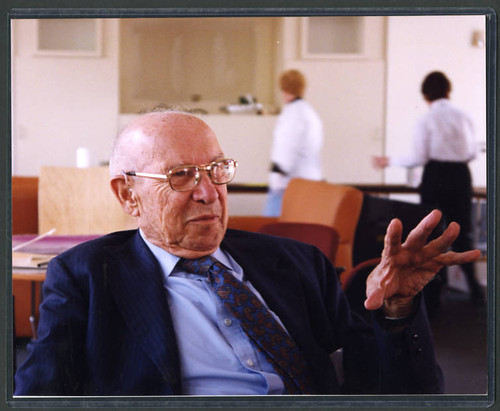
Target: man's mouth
205, 218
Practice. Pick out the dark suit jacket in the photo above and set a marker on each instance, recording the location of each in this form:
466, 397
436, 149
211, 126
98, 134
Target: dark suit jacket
105, 326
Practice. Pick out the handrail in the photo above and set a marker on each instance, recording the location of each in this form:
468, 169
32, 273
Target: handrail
258, 188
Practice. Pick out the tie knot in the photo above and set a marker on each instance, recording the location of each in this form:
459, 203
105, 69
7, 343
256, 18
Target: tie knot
197, 266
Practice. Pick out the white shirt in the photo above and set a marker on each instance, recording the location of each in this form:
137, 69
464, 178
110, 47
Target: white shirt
296, 149
444, 133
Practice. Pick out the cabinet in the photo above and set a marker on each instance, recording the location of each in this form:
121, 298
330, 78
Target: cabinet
339, 37
69, 37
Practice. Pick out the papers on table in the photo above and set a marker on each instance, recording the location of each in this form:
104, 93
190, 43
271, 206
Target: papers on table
34, 252
30, 260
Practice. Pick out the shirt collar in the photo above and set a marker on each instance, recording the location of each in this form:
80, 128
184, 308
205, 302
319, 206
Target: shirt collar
440, 101
294, 100
168, 261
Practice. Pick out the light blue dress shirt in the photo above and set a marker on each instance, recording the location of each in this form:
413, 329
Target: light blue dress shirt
216, 356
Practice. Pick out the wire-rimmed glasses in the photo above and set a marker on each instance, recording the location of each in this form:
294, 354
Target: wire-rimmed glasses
187, 177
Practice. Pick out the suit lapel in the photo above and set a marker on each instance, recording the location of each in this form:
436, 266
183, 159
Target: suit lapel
136, 282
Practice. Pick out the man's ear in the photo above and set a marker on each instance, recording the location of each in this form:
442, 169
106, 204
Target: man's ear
125, 195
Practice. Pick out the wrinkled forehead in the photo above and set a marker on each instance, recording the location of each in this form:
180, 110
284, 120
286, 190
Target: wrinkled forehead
171, 125
175, 137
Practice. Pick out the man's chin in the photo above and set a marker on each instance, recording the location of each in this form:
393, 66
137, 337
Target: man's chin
193, 251
192, 247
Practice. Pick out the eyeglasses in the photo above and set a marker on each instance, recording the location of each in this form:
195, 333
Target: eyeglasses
185, 178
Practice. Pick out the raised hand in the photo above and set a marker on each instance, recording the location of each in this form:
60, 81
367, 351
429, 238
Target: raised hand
406, 268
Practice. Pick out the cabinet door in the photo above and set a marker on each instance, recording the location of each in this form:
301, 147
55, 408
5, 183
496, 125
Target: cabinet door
69, 37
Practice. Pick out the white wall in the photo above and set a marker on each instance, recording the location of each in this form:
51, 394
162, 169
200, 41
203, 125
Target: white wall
61, 103
416, 46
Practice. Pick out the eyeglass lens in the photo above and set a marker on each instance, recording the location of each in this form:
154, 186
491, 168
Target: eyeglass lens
222, 172
186, 178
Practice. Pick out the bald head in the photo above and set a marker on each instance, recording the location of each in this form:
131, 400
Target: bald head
136, 145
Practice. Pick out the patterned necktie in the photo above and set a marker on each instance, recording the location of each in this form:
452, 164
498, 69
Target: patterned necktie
261, 327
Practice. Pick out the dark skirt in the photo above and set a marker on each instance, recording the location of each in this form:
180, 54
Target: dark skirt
448, 187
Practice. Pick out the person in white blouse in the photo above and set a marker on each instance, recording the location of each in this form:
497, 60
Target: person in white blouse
297, 142
444, 143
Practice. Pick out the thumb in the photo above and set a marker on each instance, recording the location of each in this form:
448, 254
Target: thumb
374, 298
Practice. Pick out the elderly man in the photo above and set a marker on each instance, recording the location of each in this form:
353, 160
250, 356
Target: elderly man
184, 306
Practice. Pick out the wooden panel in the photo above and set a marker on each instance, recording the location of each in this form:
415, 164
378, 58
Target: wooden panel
24, 205
23, 293
79, 201
24, 221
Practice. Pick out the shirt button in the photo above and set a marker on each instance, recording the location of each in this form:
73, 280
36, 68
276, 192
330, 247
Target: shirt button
228, 321
250, 363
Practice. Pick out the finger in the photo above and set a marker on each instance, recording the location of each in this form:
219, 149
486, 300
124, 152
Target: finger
453, 258
392, 239
375, 298
418, 236
433, 265
443, 242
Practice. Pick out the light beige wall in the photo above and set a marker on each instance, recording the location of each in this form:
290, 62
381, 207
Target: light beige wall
62, 102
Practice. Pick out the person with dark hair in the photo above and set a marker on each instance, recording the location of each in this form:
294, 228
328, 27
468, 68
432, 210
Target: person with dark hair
444, 144
297, 141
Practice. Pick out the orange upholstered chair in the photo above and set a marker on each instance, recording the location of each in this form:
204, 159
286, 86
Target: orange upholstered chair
333, 205
316, 202
249, 222
324, 237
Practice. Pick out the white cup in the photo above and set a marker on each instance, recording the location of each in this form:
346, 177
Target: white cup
82, 157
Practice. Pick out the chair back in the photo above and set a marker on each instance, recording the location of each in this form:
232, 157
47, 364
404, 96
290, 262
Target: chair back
353, 284
249, 222
324, 237
349, 276
77, 201
318, 202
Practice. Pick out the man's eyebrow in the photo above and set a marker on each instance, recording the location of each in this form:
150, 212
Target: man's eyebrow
217, 157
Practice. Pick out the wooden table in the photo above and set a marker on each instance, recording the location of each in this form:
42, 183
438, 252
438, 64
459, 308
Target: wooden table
25, 274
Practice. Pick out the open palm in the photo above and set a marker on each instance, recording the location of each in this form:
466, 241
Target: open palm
405, 268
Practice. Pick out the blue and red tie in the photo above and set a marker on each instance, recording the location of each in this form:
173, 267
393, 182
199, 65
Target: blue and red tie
261, 327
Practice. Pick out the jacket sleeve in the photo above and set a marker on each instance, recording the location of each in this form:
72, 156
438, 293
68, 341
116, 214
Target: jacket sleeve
55, 364
379, 358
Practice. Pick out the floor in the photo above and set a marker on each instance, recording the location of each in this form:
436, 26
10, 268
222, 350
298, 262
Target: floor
460, 336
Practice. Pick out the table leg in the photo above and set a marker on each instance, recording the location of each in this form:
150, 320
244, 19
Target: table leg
33, 310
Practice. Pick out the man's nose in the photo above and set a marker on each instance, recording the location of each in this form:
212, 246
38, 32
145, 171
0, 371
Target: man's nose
205, 191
